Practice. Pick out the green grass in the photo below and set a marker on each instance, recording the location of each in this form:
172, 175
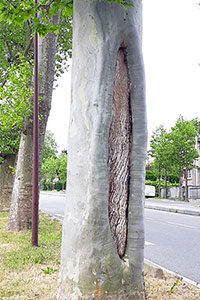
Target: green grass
20, 261
23, 253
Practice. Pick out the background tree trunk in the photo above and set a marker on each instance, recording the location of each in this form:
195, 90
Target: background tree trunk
159, 188
180, 184
102, 253
186, 185
166, 183
6, 181
21, 201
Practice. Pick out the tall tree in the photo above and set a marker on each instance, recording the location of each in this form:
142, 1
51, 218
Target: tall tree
17, 24
182, 137
21, 202
50, 146
21, 13
161, 151
103, 236
14, 105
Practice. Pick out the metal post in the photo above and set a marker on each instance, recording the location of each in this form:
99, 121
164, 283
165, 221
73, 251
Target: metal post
35, 192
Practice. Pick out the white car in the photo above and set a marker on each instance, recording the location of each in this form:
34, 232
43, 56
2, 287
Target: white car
150, 191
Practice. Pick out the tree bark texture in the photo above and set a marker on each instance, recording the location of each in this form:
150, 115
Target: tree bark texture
159, 189
6, 181
186, 185
166, 183
21, 201
119, 146
103, 231
180, 184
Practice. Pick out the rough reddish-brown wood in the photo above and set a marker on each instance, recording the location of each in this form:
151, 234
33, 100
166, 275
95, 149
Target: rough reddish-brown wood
119, 154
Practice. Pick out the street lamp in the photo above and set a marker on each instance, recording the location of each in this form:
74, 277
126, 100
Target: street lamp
35, 191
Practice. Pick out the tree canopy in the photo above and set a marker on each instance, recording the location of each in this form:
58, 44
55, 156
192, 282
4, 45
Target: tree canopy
15, 105
175, 150
17, 25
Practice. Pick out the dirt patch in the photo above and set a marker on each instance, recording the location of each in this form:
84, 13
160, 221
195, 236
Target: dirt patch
31, 273
161, 285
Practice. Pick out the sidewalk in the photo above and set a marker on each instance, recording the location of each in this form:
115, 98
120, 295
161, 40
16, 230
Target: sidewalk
181, 207
54, 192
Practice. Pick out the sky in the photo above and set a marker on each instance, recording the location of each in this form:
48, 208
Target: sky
171, 49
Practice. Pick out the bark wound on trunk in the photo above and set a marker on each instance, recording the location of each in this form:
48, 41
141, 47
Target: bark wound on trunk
119, 154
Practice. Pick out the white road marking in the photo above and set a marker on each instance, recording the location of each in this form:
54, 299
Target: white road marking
59, 216
149, 244
173, 223
183, 225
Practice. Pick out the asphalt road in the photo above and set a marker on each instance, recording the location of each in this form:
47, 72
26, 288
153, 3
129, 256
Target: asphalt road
52, 204
172, 240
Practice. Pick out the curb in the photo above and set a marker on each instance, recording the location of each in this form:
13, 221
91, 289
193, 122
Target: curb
174, 210
154, 265
146, 261
54, 217
54, 193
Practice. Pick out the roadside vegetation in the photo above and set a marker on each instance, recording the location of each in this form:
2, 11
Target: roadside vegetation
28, 272
172, 153
54, 165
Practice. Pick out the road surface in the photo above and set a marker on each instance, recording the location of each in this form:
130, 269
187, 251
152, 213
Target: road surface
172, 240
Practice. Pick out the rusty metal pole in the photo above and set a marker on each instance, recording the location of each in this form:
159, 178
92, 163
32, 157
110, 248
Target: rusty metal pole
35, 191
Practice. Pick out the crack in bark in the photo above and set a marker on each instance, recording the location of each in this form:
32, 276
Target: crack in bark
119, 154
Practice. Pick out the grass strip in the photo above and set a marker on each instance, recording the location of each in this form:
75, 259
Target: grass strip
28, 272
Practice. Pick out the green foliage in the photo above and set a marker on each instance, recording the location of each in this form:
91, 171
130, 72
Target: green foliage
13, 170
15, 105
125, 3
174, 150
19, 12
150, 175
62, 167
173, 286
53, 166
49, 168
49, 270
50, 146
182, 139
17, 25
64, 49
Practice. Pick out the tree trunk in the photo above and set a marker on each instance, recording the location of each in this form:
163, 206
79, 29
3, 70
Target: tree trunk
186, 186
159, 189
21, 201
180, 184
103, 235
166, 183
6, 181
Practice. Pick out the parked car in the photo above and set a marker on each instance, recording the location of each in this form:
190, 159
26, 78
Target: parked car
150, 191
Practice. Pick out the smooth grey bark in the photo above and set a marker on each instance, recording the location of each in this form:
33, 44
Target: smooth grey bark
91, 267
6, 181
21, 202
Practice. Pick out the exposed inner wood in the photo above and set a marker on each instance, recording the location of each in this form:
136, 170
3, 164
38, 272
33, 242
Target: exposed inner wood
119, 154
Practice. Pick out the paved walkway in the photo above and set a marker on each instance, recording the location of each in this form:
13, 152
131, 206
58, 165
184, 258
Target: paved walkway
188, 208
